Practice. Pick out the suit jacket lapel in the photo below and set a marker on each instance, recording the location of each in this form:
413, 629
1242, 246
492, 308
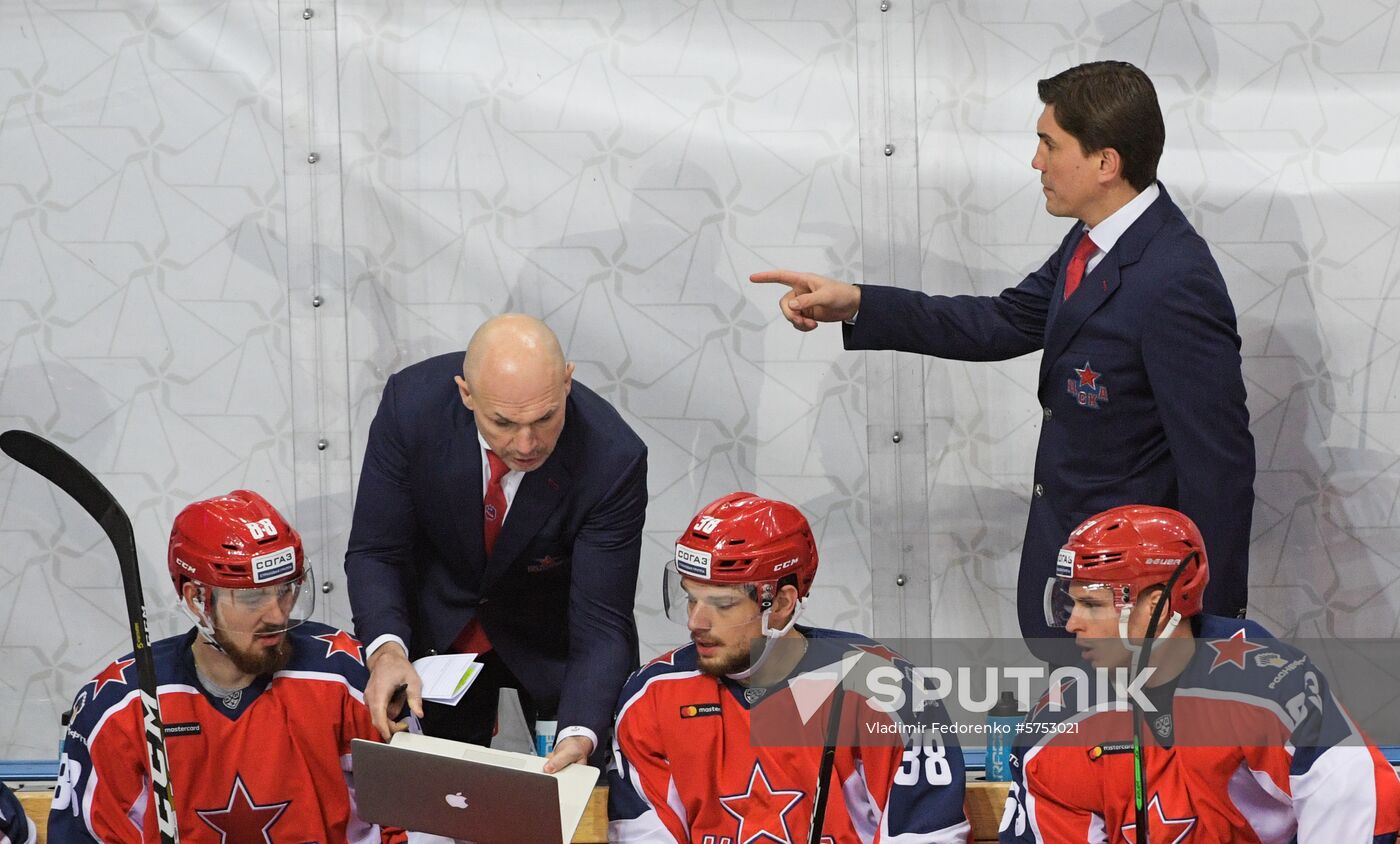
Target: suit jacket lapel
1094, 289
539, 494
462, 457
1067, 317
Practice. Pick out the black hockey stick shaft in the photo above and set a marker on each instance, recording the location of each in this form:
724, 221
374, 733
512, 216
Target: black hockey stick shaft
59, 468
1140, 784
833, 736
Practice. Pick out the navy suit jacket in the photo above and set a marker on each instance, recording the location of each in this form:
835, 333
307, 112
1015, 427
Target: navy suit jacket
555, 596
1142, 397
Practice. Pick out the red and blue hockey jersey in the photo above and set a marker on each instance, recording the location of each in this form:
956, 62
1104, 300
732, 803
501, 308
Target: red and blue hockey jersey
270, 763
1252, 747
707, 760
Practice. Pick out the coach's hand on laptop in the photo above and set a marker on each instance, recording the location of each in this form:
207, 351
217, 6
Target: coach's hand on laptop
391, 679
567, 752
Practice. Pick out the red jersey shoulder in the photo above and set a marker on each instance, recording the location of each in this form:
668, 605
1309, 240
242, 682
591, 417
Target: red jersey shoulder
118, 682
319, 648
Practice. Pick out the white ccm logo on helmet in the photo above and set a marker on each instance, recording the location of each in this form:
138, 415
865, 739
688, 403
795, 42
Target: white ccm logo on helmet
692, 562
274, 565
261, 529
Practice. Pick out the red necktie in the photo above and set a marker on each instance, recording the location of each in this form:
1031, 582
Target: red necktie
473, 639
494, 501
1077, 262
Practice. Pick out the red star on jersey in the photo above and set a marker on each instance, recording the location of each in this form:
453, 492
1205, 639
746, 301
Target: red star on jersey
880, 651
341, 642
668, 658
1231, 651
1088, 377
242, 820
762, 812
1161, 828
1054, 697
114, 673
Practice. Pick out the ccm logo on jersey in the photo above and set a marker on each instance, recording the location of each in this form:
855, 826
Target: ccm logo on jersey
261, 529
274, 565
692, 562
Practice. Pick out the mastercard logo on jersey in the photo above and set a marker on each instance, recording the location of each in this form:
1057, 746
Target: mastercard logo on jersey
697, 710
1099, 751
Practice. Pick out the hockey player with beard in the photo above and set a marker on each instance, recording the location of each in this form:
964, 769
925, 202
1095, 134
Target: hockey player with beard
716, 742
1239, 736
259, 704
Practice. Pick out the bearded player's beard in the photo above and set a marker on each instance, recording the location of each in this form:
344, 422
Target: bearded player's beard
724, 664
256, 660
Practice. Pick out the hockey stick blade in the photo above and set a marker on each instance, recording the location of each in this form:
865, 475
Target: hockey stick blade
63, 471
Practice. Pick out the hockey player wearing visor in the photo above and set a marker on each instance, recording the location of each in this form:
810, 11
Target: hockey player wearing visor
259, 704
1234, 735
239, 570
692, 759
740, 599
1116, 571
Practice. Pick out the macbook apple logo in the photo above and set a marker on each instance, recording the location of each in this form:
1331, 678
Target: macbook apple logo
456, 801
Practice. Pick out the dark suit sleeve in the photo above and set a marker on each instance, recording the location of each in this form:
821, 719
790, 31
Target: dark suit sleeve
602, 592
1007, 325
378, 559
1192, 355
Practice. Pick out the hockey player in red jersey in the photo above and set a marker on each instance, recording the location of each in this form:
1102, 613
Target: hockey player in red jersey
700, 752
259, 704
1240, 738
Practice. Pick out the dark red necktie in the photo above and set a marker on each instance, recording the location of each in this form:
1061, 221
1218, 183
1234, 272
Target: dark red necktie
494, 501
1077, 262
473, 639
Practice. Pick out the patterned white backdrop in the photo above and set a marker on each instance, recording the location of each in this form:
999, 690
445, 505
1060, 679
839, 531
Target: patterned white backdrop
618, 168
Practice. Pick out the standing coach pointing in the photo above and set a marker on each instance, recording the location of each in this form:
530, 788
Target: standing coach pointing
1140, 387
500, 512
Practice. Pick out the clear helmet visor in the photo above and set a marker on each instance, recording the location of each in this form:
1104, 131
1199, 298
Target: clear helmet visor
713, 606
1095, 601
260, 610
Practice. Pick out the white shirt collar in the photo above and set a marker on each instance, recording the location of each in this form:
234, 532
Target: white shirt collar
1112, 227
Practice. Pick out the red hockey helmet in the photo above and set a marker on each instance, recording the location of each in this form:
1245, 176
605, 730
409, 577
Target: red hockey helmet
743, 539
1129, 549
234, 541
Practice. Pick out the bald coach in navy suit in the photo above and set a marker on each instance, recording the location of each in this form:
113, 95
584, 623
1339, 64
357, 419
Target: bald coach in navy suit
550, 606
1142, 397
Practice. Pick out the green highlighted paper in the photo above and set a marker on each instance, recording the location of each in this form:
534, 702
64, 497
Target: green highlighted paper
446, 677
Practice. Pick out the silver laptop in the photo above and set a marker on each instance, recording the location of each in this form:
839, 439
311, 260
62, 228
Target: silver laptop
469, 793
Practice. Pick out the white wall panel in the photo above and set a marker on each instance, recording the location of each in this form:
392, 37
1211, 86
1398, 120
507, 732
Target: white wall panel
143, 294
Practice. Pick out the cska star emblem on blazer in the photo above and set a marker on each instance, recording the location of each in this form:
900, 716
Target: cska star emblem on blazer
1086, 387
